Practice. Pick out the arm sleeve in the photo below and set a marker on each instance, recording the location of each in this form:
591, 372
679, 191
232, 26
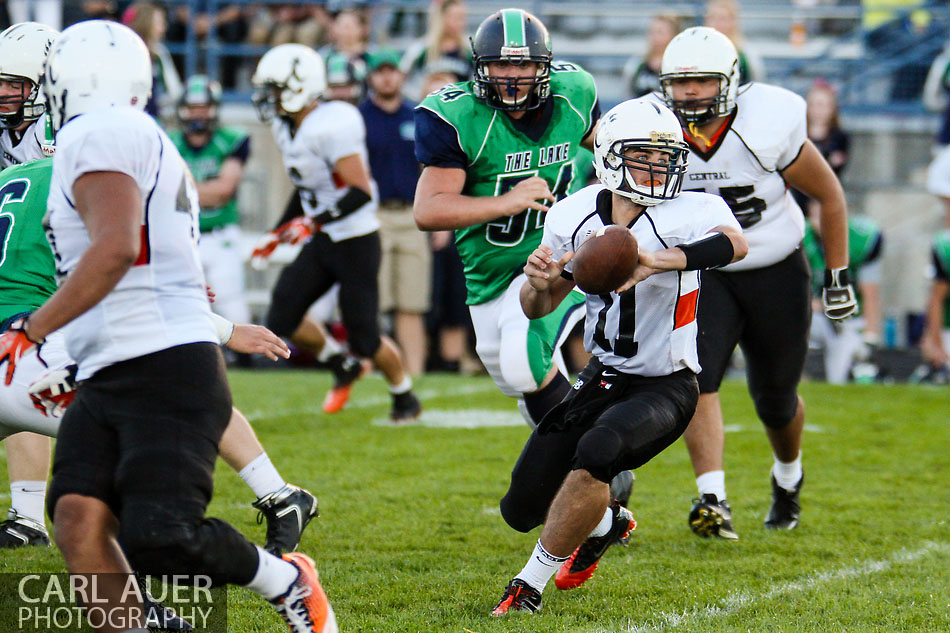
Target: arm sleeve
940, 268
938, 175
437, 142
242, 149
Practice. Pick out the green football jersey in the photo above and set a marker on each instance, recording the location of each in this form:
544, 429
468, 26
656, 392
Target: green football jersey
27, 268
499, 156
941, 249
205, 164
862, 236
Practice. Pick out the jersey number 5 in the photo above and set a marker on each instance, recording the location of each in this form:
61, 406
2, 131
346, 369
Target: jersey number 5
510, 231
748, 210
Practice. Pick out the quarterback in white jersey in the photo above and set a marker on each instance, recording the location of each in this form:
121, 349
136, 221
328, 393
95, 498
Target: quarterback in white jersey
324, 148
748, 145
637, 394
138, 444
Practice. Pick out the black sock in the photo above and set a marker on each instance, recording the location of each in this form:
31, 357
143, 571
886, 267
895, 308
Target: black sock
543, 400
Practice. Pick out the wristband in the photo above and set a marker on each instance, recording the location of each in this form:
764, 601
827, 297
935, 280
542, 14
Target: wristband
712, 251
837, 277
223, 327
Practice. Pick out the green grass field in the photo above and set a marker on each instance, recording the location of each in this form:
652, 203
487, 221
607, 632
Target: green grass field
410, 538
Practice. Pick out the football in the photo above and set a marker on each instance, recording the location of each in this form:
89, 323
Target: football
605, 260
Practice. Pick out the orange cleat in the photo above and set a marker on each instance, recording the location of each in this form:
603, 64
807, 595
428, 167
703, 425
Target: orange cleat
305, 607
346, 370
577, 569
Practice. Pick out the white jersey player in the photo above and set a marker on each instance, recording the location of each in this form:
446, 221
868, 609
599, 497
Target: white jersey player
747, 146
333, 131
324, 149
639, 391
138, 444
26, 133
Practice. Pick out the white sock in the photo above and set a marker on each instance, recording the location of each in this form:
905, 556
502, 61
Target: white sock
402, 387
261, 476
28, 498
787, 475
330, 348
605, 523
273, 577
712, 483
540, 567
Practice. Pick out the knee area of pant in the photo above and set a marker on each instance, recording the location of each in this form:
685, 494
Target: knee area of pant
519, 515
597, 451
776, 412
362, 345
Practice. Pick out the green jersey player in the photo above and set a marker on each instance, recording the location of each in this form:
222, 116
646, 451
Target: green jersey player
497, 150
848, 345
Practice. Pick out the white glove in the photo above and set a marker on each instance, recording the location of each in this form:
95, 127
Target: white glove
52, 392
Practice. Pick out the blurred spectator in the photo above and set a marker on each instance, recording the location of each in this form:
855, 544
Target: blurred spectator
93, 10
723, 15
150, 20
849, 345
48, 12
937, 91
824, 130
344, 82
892, 27
406, 266
216, 156
230, 24
641, 76
448, 322
289, 23
349, 36
446, 42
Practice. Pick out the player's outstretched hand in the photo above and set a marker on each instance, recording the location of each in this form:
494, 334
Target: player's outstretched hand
526, 194
542, 270
55, 390
257, 339
14, 343
646, 266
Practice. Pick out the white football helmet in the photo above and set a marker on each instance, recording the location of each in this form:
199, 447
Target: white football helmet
640, 124
23, 50
288, 78
701, 51
96, 64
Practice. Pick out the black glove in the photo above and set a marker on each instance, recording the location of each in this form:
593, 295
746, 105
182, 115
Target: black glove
837, 296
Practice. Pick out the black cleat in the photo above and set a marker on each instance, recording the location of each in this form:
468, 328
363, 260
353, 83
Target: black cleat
346, 370
711, 517
582, 564
19, 531
406, 408
518, 596
783, 515
621, 487
158, 617
287, 511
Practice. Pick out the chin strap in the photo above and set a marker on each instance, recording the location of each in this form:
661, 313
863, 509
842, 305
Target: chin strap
696, 133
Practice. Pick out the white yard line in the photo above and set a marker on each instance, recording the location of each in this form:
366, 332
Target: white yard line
694, 619
462, 419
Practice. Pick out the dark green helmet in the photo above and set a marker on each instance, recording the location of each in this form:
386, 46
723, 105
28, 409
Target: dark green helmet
200, 91
514, 36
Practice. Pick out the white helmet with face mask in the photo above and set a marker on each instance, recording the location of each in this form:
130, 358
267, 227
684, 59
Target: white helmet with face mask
640, 125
